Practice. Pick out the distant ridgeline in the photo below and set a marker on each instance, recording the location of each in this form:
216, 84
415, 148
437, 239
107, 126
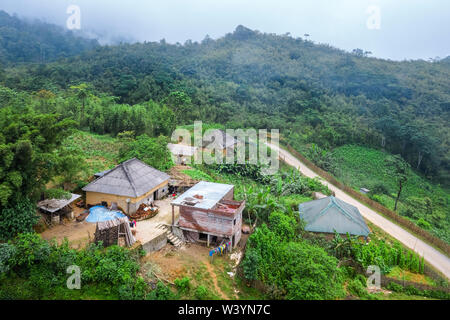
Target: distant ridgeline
36, 41
313, 93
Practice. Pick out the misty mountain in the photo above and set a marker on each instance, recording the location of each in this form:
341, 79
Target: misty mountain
317, 93
36, 41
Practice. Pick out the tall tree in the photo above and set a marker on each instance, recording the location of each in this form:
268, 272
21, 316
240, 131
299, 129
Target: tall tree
82, 92
398, 168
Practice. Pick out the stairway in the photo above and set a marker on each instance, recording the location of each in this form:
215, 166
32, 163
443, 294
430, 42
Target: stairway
173, 239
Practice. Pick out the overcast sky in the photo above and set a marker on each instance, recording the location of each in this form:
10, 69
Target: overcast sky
406, 29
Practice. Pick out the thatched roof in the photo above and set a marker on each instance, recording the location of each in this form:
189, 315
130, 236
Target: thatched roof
53, 205
132, 178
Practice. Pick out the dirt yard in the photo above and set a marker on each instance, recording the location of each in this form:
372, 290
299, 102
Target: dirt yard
193, 261
78, 233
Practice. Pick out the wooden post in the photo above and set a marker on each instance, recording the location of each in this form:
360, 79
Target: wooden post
207, 242
173, 215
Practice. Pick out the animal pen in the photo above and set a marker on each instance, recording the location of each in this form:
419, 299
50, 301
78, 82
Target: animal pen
111, 231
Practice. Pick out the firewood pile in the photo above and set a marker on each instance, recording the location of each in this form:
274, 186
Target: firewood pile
145, 211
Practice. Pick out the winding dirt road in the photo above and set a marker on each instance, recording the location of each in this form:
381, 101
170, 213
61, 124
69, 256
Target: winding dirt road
434, 257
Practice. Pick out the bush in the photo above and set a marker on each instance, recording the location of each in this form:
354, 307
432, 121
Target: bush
283, 225
395, 287
134, 290
294, 270
161, 292
44, 266
250, 264
202, 293
19, 218
7, 252
358, 289
183, 285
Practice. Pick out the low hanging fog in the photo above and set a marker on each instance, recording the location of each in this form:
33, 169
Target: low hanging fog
400, 29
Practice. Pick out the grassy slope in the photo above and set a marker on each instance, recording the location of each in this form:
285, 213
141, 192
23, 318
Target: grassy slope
359, 167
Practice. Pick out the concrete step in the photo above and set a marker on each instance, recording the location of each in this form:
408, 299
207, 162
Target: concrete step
174, 239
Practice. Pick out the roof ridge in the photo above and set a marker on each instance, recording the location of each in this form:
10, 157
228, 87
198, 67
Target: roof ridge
127, 173
323, 211
346, 213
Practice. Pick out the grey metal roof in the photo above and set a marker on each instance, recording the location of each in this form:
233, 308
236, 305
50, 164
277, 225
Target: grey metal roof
132, 178
331, 214
211, 192
102, 173
219, 139
53, 205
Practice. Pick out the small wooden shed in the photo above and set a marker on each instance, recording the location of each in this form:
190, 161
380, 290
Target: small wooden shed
110, 231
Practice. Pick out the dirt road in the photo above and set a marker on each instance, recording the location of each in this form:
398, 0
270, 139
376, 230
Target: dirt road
435, 258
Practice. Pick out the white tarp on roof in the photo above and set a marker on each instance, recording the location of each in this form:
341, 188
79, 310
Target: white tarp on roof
211, 192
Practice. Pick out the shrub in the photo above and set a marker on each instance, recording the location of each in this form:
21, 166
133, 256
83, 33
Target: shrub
161, 292
183, 285
7, 252
293, 270
358, 289
395, 287
283, 225
202, 293
250, 264
31, 249
20, 218
133, 290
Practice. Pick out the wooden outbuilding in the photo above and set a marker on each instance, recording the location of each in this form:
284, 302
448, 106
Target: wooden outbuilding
109, 232
56, 208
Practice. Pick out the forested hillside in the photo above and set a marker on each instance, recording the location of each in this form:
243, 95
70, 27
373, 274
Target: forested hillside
70, 108
314, 93
320, 97
22, 41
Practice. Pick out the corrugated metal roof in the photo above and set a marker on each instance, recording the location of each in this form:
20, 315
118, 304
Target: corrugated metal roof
331, 214
131, 178
218, 139
182, 149
211, 192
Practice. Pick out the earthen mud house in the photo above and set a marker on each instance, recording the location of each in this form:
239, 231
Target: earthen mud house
128, 185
